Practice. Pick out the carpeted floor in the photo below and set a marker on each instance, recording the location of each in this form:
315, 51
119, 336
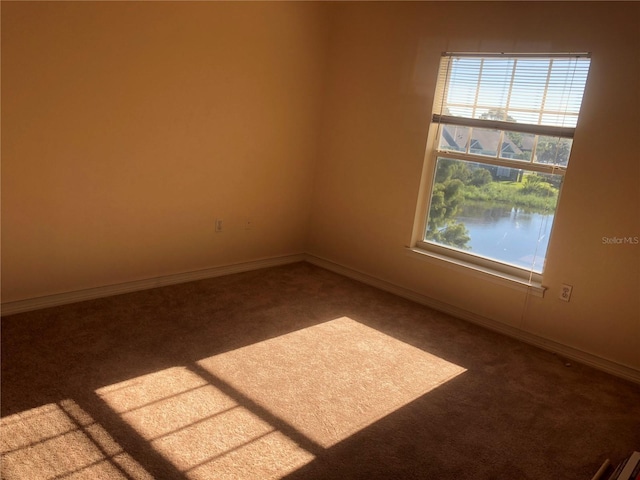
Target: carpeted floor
298, 373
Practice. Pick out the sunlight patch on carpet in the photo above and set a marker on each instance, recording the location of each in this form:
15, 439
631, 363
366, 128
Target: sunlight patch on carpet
331, 380
202, 431
320, 384
60, 440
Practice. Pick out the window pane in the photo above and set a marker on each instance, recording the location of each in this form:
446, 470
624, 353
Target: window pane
484, 141
466, 112
454, 138
560, 120
463, 81
553, 150
529, 84
567, 80
504, 214
517, 146
493, 91
524, 117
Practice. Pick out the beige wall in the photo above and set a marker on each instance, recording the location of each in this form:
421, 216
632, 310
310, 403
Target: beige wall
127, 128
377, 107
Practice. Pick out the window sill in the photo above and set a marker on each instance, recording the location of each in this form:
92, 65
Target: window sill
493, 276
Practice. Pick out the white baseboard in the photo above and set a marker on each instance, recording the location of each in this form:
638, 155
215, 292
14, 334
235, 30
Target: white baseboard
564, 351
30, 304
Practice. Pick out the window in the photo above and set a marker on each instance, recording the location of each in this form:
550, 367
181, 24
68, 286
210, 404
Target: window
503, 127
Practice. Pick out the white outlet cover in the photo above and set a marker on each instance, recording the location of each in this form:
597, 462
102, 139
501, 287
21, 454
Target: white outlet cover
565, 292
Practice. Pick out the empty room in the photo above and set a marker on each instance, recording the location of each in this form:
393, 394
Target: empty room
320, 240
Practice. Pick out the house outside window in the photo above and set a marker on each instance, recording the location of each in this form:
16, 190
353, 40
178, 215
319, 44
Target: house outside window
504, 127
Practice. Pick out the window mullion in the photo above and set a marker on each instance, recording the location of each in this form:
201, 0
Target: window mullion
545, 91
513, 77
500, 141
475, 100
534, 148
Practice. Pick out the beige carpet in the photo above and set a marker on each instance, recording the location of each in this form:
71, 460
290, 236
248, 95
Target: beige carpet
294, 372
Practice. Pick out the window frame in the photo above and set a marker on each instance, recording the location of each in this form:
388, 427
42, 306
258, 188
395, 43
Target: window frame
458, 257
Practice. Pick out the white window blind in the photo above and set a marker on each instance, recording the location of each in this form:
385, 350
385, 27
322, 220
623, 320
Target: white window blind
525, 93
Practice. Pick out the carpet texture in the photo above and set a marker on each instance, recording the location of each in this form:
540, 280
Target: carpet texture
294, 372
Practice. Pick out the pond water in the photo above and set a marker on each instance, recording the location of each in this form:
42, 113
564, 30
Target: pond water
508, 234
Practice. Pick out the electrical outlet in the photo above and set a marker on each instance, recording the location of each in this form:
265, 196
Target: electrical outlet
565, 292
218, 224
248, 224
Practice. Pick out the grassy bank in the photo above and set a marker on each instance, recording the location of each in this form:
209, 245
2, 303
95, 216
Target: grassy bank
513, 194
